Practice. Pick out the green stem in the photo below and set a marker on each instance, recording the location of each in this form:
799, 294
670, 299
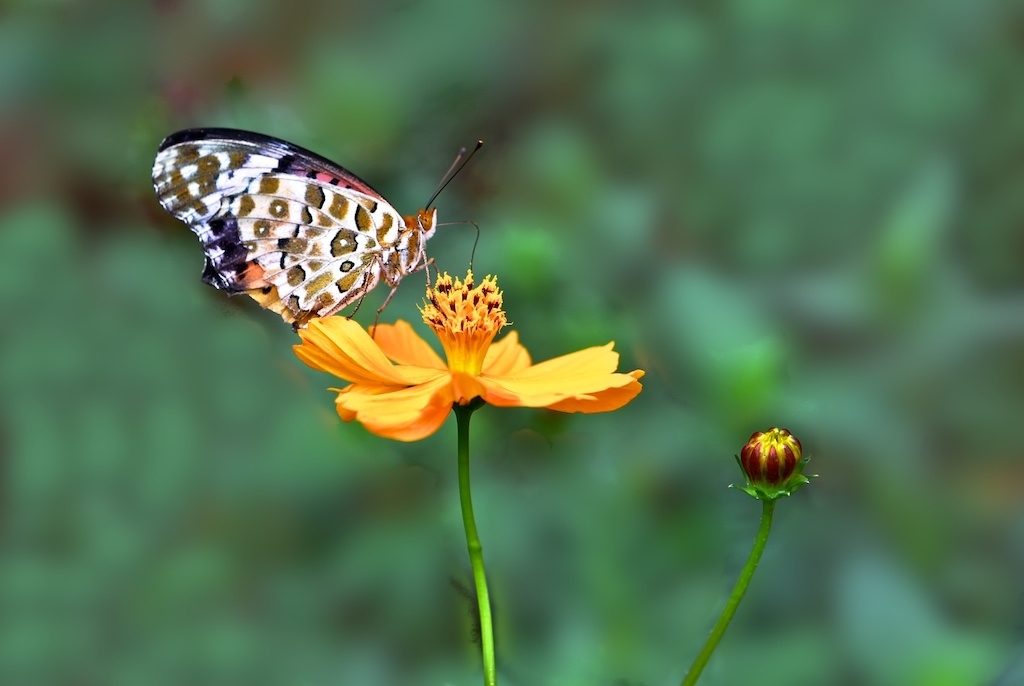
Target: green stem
737, 595
476, 557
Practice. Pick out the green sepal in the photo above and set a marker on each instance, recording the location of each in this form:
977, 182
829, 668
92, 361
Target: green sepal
767, 493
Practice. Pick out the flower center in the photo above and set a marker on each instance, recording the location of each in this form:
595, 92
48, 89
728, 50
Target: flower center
465, 317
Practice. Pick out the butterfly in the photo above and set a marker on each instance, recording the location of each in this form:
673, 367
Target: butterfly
299, 234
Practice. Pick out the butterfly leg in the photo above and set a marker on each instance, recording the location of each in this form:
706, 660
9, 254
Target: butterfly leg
386, 301
394, 288
359, 303
426, 267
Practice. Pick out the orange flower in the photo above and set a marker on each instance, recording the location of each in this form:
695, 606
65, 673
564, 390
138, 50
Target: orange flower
400, 388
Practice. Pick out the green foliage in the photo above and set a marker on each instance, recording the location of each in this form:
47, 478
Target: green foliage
800, 214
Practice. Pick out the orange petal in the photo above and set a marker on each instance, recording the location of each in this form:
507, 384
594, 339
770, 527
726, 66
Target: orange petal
403, 345
312, 352
511, 393
597, 360
602, 401
426, 424
339, 346
465, 387
577, 377
506, 357
349, 415
407, 414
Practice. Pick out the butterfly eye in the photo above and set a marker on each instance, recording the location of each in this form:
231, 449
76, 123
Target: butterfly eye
426, 220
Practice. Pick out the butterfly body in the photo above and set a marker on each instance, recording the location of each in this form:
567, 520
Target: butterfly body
302, 236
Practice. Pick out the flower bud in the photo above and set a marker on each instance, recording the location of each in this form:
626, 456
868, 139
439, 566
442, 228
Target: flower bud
773, 463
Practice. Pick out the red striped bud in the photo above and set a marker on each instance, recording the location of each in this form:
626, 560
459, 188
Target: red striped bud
772, 462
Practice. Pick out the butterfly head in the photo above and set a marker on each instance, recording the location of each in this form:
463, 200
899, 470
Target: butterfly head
424, 221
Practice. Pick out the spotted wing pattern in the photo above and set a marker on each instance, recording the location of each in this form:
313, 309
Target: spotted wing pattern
301, 235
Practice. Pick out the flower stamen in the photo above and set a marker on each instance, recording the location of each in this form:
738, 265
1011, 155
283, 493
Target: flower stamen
465, 317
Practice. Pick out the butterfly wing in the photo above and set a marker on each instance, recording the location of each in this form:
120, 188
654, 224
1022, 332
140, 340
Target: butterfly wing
301, 235
273, 154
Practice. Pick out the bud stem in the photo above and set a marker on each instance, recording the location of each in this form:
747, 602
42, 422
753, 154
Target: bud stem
476, 555
738, 591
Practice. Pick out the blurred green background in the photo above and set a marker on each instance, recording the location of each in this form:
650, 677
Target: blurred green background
789, 212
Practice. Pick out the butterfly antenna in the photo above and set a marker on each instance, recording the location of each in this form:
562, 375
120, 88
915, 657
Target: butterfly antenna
453, 171
472, 253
